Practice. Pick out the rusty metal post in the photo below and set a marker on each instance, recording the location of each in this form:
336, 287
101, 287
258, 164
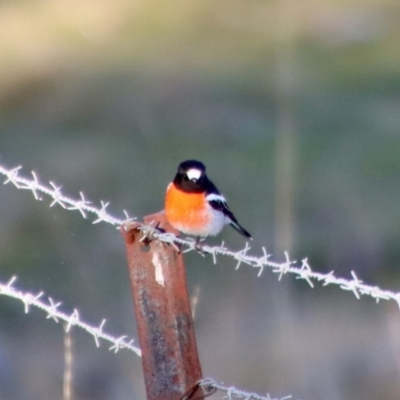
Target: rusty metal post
158, 280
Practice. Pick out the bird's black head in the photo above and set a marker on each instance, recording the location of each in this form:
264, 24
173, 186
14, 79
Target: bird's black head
191, 176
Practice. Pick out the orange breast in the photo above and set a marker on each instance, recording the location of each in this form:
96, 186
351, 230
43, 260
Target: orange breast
186, 211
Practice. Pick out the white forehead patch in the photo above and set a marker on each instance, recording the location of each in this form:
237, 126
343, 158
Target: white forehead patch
193, 173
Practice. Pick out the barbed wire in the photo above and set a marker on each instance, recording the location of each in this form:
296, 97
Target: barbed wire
82, 205
210, 385
51, 307
301, 270
118, 343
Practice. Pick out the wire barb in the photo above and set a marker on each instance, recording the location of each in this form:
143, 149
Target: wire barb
211, 386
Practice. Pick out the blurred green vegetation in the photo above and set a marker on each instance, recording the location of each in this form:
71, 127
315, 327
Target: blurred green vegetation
108, 97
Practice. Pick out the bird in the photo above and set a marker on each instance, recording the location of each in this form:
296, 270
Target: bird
194, 206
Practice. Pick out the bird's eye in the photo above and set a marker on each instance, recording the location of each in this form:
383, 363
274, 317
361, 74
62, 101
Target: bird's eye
185, 177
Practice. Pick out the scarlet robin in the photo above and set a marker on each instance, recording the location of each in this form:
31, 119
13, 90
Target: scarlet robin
194, 206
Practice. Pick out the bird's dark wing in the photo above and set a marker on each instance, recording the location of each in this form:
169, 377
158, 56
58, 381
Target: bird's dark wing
218, 202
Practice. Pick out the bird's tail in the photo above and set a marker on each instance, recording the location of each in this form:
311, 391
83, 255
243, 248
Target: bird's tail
238, 228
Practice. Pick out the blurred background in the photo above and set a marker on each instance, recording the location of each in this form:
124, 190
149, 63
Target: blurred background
293, 107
